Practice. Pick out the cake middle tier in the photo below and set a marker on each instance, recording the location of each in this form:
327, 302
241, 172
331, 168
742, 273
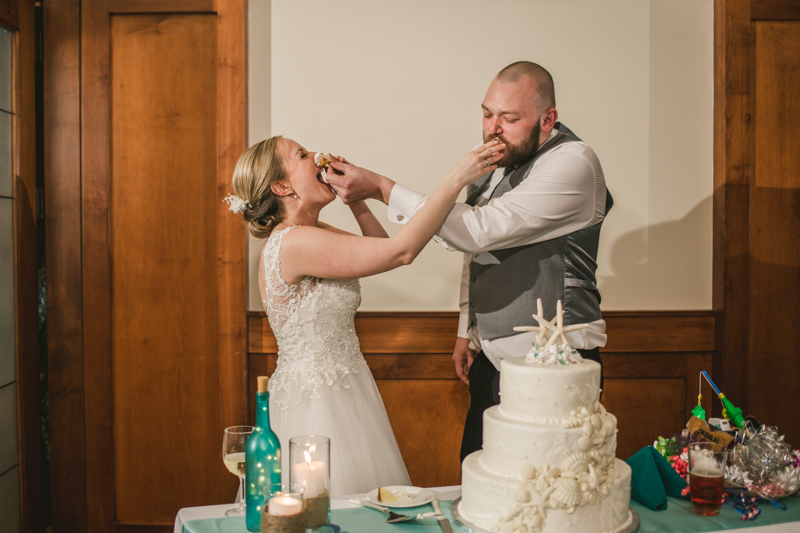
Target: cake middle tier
508, 444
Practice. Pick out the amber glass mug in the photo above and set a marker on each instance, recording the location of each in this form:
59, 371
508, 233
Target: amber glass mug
706, 475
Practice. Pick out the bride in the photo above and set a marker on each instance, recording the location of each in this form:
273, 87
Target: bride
308, 279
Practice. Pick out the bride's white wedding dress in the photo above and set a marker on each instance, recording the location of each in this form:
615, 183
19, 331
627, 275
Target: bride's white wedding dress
322, 385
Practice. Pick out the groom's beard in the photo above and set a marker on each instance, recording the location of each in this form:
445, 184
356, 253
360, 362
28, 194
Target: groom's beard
517, 154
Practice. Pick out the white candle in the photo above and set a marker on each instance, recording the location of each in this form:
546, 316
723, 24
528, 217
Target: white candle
311, 476
284, 506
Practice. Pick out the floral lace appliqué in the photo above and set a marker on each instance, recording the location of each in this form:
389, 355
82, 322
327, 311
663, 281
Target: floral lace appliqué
313, 322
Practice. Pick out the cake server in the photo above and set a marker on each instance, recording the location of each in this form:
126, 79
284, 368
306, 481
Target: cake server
443, 522
392, 515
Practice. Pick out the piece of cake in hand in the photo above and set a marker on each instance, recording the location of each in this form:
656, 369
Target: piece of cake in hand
321, 160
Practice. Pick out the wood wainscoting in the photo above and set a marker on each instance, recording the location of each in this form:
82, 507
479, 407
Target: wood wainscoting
652, 363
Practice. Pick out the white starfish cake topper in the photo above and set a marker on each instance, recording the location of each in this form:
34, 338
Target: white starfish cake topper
555, 329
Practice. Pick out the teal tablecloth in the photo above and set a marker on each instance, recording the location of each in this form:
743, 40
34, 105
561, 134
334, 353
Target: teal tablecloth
677, 518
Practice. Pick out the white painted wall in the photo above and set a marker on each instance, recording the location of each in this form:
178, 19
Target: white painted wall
396, 86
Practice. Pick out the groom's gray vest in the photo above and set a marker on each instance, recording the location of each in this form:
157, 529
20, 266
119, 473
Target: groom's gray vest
504, 284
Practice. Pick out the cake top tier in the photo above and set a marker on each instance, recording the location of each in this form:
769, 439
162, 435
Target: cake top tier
547, 393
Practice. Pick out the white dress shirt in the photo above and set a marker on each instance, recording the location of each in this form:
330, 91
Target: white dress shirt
564, 192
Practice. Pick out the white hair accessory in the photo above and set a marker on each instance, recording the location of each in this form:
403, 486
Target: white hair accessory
236, 204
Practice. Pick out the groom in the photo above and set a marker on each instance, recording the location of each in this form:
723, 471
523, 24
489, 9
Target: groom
528, 230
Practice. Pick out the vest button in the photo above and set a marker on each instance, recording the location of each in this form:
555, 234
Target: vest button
472, 279
472, 304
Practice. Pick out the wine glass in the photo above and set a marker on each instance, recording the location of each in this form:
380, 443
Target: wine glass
234, 444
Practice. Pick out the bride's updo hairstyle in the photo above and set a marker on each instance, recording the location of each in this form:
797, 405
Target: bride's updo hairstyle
257, 169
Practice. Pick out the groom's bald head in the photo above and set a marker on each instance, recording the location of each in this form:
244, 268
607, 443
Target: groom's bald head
546, 94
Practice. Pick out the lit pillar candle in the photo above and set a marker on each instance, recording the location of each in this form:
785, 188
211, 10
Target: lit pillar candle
284, 506
311, 476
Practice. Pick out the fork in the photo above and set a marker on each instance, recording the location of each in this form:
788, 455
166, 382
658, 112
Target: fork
393, 517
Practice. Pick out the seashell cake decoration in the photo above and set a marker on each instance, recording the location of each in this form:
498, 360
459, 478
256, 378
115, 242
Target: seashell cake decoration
552, 351
584, 478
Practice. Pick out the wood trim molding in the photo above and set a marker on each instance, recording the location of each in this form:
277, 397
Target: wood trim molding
231, 246
96, 260
62, 175
774, 10
425, 333
160, 6
733, 168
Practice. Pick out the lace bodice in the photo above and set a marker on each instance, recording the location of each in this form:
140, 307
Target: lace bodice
313, 323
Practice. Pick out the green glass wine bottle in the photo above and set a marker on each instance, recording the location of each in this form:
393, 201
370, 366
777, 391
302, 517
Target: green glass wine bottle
262, 458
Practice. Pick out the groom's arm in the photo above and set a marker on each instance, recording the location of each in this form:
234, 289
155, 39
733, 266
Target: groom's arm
565, 192
463, 352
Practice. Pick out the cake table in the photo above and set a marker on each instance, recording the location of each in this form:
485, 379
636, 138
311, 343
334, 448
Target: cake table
677, 518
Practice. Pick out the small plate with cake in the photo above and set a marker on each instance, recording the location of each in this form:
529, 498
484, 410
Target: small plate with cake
399, 496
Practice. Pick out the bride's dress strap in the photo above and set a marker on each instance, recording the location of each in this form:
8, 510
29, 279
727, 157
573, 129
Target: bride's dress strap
283, 299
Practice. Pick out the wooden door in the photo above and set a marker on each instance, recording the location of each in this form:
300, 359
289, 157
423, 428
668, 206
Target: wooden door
756, 216
149, 345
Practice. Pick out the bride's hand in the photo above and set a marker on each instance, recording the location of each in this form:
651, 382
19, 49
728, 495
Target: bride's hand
476, 163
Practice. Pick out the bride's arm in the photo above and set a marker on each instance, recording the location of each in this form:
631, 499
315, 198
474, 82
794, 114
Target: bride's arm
370, 227
312, 251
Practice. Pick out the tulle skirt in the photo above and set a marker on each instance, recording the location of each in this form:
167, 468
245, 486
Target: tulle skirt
364, 451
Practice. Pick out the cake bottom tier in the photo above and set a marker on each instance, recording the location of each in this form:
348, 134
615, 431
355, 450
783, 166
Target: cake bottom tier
486, 496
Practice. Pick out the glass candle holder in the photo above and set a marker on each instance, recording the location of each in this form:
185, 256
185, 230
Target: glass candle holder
310, 461
284, 509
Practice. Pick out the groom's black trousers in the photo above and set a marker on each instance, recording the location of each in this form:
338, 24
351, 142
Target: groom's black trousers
484, 392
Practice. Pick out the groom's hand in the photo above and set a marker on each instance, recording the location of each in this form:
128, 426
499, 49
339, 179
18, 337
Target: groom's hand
463, 357
354, 184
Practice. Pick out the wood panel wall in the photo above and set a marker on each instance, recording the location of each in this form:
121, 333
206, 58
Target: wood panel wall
652, 364
756, 220
145, 119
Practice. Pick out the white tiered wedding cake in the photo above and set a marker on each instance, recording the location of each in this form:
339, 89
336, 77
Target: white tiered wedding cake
547, 463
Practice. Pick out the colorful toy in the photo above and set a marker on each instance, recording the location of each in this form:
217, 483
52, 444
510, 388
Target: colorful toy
729, 411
